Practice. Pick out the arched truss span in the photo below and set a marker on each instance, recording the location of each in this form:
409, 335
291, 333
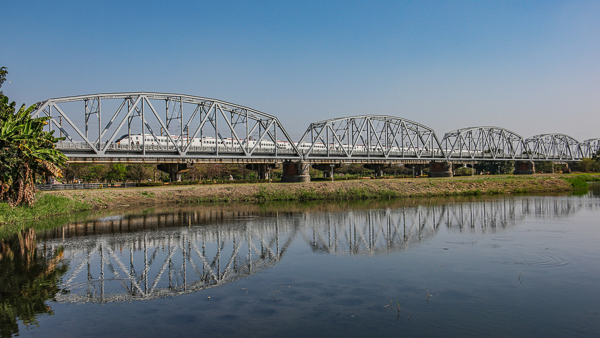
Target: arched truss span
590, 147
484, 143
369, 136
554, 147
166, 124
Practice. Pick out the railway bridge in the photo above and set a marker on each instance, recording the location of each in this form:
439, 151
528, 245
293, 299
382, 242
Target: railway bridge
175, 131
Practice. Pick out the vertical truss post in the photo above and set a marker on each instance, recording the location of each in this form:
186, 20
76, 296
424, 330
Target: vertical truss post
143, 130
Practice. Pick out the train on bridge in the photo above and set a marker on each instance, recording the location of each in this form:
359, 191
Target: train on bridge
194, 129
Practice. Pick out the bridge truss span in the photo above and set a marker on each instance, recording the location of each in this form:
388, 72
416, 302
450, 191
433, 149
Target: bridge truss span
147, 125
176, 130
547, 147
369, 137
590, 147
484, 143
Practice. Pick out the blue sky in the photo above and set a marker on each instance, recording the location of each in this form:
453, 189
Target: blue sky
528, 66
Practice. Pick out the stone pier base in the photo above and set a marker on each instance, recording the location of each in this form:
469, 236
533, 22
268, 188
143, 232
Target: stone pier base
524, 168
440, 169
295, 172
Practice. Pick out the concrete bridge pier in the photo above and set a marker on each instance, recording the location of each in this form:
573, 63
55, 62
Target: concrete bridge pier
174, 170
524, 168
440, 169
295, 172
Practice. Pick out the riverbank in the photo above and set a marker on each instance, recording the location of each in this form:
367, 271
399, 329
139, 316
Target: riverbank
70, 201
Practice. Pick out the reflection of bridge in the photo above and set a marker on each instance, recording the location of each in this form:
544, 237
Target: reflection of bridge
145, 257
92, 124
169, 261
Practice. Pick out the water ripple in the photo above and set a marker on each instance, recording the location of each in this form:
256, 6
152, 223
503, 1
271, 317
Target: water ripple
542, 261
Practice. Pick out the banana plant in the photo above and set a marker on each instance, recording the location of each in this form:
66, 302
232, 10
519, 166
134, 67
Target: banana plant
26, 151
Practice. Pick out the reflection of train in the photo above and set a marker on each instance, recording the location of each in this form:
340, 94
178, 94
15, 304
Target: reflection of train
267, 144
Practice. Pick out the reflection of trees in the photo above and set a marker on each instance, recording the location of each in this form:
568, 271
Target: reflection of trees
28, 278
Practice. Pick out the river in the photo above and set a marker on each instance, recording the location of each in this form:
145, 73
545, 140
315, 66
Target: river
517, 266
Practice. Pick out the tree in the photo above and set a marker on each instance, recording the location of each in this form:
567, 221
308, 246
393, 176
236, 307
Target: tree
139, 172
26, 151
496, 167
95, 173
73, 171
3, 73
596, 157
116, 173
586, 164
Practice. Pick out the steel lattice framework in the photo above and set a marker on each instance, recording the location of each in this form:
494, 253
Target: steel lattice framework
92, 123
370, 137
484, 143
559, 147
590, 147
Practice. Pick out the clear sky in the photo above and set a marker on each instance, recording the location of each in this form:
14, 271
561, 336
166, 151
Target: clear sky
529, 66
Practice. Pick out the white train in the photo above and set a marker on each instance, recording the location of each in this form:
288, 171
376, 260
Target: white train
264, 144
224, 142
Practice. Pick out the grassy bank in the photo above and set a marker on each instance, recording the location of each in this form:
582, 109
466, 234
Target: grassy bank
67, 202
45, 205
580, 182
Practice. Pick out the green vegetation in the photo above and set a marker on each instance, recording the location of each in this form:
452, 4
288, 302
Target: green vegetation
580, 182
26, 151
495, 167
45, 205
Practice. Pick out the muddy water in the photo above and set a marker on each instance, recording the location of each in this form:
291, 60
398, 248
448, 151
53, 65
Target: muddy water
502, 266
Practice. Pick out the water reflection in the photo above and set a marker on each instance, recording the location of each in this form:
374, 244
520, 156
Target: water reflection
29, 276
138, 257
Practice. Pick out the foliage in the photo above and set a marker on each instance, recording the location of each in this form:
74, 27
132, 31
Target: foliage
463, 171
26, 151
495, 167
3, 73
577, 182
116, 173
596, 157
28, 278
216, 171
585, 165
140, 172
95, 173
74, 171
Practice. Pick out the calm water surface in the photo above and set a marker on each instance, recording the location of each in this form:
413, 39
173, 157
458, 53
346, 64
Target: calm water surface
500, 267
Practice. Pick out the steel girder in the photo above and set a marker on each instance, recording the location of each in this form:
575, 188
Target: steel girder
554, 147
590, 147
92, 124
369, 137
484, 143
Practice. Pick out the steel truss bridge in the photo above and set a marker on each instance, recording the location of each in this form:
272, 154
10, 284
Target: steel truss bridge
128, 258
91, 124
